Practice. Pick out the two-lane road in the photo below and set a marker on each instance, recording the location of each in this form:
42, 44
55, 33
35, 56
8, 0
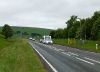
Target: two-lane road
64, 59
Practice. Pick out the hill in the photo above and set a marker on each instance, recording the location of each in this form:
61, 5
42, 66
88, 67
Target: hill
29, 30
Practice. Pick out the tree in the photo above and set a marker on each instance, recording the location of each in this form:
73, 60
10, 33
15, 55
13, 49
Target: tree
95, 29
52, 33
35, 35
59, 33
25, 33
95, 16
88, 28
72, 32
18, 32
72, 26
7, 31
65, 33
71, 21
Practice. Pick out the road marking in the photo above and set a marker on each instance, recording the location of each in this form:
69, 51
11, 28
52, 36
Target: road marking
84, 61
66, 53
45, 59
92, 60
61, 50
56, 49
51, 47
73, 54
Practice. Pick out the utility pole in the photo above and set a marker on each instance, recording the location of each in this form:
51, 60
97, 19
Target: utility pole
85, 30
80, 26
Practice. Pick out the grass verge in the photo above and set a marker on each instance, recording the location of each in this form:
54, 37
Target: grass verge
18, 56
88, 45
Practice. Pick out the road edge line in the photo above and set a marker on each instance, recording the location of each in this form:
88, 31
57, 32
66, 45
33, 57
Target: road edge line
54, 70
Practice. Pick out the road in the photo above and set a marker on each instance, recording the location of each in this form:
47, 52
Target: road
65, 59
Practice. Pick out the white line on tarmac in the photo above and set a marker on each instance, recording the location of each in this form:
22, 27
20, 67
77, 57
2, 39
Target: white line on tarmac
56, 49
66, 53
73, 54
51, 47
45, 59
92, 60
84, 61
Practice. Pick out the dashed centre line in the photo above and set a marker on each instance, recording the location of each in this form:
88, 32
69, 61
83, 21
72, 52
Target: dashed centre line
92, 60
84, 61
66, 53
73, 54
54, 48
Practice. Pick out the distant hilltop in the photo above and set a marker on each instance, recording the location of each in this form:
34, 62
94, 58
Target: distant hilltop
29, 30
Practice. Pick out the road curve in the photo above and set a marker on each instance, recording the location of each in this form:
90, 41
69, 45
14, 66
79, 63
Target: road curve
64, 59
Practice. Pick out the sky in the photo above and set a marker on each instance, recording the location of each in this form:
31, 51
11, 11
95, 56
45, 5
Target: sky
50, 14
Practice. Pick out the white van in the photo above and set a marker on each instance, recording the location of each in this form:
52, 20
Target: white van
47, 40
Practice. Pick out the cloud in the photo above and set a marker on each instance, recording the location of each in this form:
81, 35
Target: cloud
44, 13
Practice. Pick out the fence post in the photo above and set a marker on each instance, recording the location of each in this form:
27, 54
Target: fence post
96, 46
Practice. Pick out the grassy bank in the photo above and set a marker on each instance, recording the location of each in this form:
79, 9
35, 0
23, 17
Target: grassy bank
3, 42
88, 45
18, 56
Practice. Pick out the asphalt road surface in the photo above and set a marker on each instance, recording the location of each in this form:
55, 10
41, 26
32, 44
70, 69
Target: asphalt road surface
65, 59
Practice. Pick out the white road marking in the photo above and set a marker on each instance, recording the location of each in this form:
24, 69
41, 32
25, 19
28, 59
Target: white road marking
66, 54
73, 54
84, 61
45, 59
60, 49
56, 49
51, 47
92, 60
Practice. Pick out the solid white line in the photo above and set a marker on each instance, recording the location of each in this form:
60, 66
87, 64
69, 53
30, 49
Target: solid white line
84, 61
45, 60
92, 60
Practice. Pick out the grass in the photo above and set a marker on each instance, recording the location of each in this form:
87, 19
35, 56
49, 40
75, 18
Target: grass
3, 42
16, 55
88, 45
60, 41
29, 30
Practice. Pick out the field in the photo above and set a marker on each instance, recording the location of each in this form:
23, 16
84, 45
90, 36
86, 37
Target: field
88, 45
30, 30
16, 55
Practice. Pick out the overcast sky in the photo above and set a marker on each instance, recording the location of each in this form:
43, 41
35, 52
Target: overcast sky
44, 13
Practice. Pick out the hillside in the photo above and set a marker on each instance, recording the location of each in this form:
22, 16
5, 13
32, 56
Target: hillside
30, 30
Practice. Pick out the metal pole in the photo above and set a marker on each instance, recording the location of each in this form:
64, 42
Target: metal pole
80, 29
85, 30
68, 37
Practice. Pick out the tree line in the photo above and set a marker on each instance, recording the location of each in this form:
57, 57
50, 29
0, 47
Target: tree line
86, 28
8, 31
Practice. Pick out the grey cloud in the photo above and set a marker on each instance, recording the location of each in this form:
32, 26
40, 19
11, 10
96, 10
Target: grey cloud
44, 13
